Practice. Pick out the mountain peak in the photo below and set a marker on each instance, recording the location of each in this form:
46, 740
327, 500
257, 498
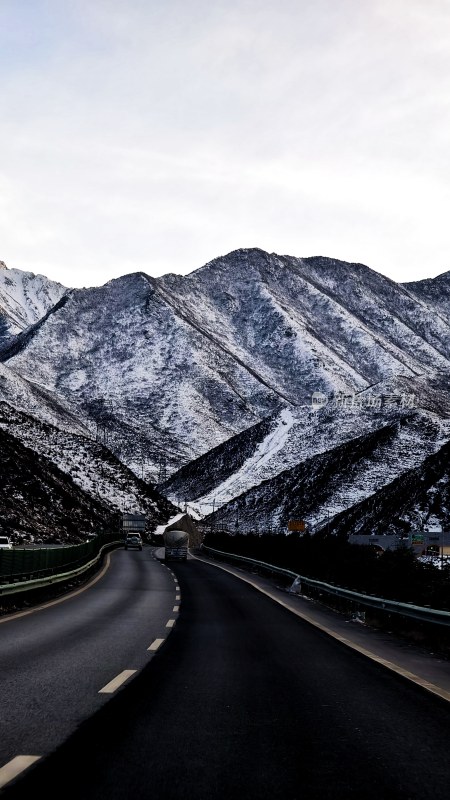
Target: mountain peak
242, 254
3, 265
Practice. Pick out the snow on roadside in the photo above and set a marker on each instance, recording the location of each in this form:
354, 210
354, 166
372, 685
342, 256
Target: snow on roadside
159, 530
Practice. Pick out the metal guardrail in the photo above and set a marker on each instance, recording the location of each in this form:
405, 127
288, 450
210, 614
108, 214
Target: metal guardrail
33, 569
422, 613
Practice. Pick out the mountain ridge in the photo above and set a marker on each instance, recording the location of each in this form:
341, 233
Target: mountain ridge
169, 370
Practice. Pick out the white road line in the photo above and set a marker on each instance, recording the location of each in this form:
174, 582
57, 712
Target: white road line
178, 597
157, 643
15, 767
170, 623
117, 681
176, 608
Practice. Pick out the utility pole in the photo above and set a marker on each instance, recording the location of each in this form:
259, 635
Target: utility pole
214, 503
162, 474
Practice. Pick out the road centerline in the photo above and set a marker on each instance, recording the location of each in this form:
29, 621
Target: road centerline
116, 682
156, 644
14, 767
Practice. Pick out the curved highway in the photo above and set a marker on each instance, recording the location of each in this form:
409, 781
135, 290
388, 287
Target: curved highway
56, 661
244, 699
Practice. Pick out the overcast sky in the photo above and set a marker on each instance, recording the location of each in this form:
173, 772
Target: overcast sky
156, 135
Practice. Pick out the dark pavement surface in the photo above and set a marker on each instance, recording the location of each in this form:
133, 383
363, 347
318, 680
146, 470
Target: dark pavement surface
55, 660
246, 699
418, 663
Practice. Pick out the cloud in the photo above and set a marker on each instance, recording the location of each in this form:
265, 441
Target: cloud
156, 136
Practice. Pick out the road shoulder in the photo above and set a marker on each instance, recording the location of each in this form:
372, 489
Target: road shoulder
426, 670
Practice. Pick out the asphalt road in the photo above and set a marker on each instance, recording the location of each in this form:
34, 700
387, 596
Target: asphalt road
244, 699
55, 661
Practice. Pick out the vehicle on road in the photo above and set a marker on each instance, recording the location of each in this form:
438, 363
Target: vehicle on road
176, 545
5, 543
133, 540
134, 523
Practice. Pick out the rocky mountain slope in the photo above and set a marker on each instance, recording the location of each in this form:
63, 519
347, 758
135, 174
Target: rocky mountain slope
218, 383
25, 298
311, 324
37, 499
179, 364
85, 467
420, 497
324, 485
434, 293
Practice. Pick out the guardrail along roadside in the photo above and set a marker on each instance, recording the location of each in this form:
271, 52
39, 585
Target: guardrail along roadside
424, 625
24, 570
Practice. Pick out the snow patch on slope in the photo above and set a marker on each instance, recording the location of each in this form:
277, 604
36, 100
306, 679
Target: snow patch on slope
89, 465
159, 530
25, 298
244, 477
37, 400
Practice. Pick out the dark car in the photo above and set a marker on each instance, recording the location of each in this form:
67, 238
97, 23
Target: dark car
133, 540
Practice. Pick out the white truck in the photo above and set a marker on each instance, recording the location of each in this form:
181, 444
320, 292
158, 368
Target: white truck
176, 545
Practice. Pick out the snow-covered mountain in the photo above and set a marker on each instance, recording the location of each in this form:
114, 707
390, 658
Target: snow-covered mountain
327, 480
179, 364
206, 382
41, 402
419, 498
128, 360
309, 324
25, 298
434, 293
86, 471
37, 499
